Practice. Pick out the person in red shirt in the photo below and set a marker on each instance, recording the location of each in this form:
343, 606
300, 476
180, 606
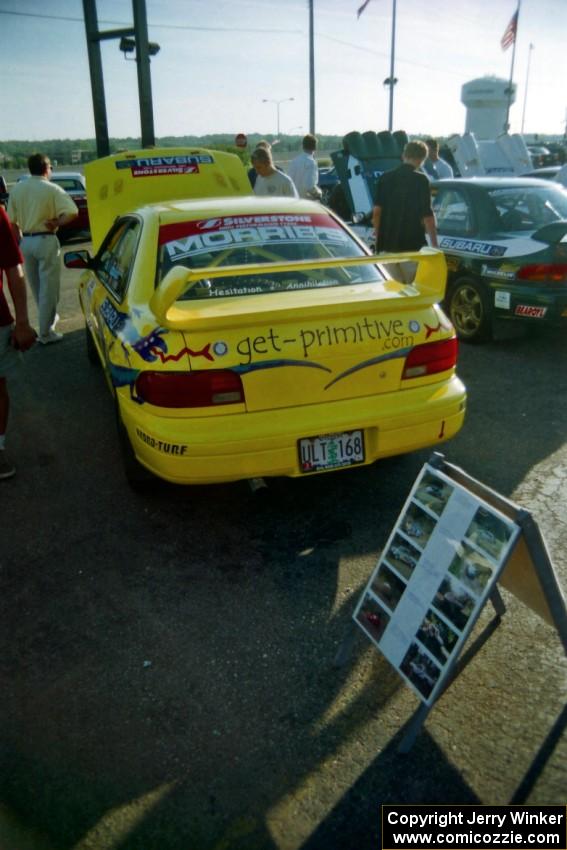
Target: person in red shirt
14, 336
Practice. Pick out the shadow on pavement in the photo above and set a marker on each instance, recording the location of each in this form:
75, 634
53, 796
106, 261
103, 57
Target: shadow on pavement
167, 671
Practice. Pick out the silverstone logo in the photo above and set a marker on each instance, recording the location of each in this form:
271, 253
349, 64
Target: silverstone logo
210, 224
240, 220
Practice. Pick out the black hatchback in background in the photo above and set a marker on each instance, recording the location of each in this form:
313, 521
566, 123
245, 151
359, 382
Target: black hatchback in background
505, 240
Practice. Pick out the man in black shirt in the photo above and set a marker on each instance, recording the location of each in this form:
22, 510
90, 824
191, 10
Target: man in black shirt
402, 213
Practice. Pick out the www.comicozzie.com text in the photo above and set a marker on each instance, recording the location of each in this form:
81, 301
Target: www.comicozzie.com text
519, 819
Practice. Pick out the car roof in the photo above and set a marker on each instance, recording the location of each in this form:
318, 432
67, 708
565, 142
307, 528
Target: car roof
75, 174
494, 182
66, 175
544, 170
243, 206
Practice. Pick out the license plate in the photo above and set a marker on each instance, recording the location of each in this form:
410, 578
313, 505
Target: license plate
331, 451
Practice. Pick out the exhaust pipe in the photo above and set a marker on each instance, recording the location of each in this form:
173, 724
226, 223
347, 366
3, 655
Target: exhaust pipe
256, 484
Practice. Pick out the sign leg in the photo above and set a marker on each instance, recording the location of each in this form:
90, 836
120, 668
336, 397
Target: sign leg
344, 652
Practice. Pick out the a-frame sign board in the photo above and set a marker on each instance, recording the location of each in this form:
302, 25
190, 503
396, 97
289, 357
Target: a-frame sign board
454, 542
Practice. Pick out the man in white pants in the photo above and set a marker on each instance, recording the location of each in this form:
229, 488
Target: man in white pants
36, 208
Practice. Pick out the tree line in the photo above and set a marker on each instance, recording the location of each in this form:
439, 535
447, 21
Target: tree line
14, 153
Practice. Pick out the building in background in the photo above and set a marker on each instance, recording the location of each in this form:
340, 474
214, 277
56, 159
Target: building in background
486, 102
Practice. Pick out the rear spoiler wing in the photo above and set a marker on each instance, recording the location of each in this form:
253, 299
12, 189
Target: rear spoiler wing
429, 283
551, 233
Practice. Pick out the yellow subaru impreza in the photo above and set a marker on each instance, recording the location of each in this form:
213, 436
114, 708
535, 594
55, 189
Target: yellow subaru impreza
247, 337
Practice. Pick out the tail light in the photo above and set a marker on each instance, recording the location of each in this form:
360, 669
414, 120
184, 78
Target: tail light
543, 271
190, 389
430, 358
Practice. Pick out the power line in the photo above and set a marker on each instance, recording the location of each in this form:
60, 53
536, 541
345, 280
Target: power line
384, 55
153, 26
234, 29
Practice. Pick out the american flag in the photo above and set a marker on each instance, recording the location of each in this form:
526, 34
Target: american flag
362, 8
509, 36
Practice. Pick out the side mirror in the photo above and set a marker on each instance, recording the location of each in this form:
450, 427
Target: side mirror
77, 260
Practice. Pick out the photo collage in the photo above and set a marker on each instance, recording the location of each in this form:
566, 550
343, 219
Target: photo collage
434, 575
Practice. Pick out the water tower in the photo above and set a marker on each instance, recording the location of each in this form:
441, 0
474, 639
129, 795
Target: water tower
486, 102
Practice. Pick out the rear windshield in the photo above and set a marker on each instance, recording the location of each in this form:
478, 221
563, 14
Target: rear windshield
69, 184
273, 238
528, 207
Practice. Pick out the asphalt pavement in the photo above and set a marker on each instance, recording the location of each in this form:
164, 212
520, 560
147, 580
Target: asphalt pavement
167, 658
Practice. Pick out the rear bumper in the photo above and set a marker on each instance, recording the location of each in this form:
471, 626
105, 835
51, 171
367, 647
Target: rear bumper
79, 224
543, 303
204, 450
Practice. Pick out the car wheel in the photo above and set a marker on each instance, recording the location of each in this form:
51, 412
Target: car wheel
92, 353
137, 476
469, 310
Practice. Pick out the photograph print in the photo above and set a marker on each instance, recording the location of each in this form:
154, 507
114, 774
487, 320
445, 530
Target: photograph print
373, 618
437, 636
489, 533
418, 525
433, 492
471, 568
388, 586
421, 671
454, 602
403, 556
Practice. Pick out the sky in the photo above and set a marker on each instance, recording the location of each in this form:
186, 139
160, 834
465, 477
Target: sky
221, 59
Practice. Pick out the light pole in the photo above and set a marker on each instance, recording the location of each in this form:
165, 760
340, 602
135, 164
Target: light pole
391, 80
278, 103
531, 47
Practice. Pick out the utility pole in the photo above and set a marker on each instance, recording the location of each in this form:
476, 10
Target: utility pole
97, 82
510, 89
144, 78
140, 34
526, 90
311, 68
391, 80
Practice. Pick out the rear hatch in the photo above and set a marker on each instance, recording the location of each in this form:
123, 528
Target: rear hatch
298, 332
318, 350
122, 182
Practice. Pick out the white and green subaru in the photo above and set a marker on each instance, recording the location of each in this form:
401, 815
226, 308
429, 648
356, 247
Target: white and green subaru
505, 240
